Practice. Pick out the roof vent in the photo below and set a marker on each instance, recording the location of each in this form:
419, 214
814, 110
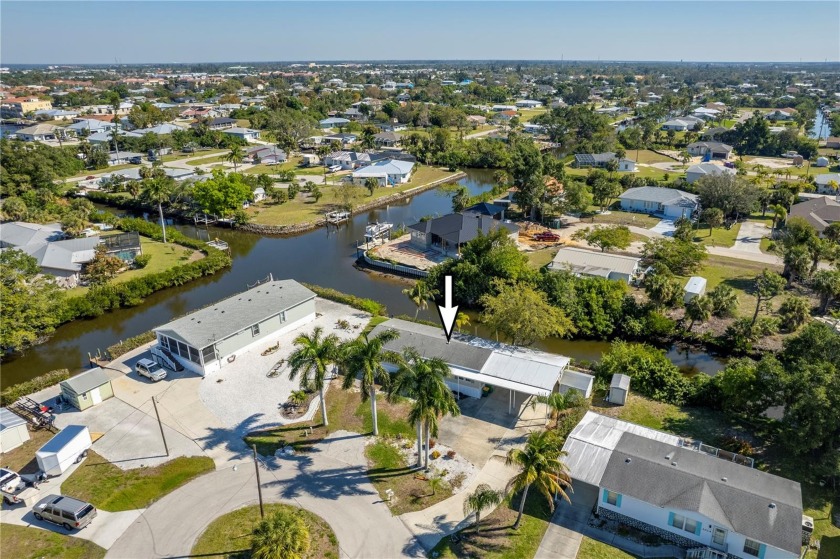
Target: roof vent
772, 505
669, 456
626, 460
249, 300
673, 463
723, 479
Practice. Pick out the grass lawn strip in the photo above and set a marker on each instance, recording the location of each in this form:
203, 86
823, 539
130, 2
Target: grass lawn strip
20, 542
593, 549
497, 539
229, 536
720, 237
107, 487
22, 458
616, 217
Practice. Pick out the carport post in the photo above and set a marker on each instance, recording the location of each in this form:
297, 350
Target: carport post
259, 487
162, 436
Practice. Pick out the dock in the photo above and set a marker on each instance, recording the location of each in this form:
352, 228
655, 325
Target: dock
219, 244
378, 230
336, 218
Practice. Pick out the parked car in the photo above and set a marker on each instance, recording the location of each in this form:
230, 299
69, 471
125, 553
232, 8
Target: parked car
136, 160
149, 369
14, 488
547, 236
789, 154
65, 511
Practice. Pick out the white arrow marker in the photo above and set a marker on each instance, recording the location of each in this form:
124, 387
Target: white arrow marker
447, 312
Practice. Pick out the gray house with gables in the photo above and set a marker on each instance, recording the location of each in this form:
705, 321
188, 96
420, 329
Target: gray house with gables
208, 339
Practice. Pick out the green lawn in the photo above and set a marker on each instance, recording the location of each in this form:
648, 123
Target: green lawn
20, 542
618, 217
527, 115
497, 539
220, 158
593, 549
720, 237
164, 257
230, 534
107, 487
648, 156
290, 165
540, 258
303, 210
82, 174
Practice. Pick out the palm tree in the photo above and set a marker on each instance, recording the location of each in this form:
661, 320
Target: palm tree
424, 380
157, 191
364, 356
437, 482
484, 497
235, 156
558, 402
133, 188
539, 464
779, 215
283, 535
311, 358
420, 295
461, 319
698, 309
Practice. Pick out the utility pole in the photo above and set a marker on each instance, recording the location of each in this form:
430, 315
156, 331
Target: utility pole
162, 436
259, 487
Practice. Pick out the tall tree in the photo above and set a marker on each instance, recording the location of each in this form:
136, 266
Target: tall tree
312, 355
424, 380
523, 314
30, 301
157, 190
364, 356
698, 309
713, 217
605, 237
768, 285
540, 464
420, 294
235, 156
483, 498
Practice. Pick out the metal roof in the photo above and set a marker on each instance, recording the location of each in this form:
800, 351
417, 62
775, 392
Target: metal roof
620, 381
539, 372
593, 263
660, 195
591, 442
696, 284
87, 381
234, 314
9, 419
21, 233
578, 380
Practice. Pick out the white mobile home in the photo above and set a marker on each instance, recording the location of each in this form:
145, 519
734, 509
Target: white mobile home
208, 339
598, 264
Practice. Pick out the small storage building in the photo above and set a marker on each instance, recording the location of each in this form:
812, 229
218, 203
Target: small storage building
14, 430
619, 389
695, 287
87, 389
821, 162
68, 447
576, 380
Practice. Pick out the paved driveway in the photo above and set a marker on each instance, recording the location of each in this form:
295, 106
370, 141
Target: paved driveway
563, 536
749, 237
665, 227
331, 482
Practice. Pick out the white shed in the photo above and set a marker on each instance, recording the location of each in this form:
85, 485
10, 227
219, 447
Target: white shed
619, 389
695, 287
259, 194
821, 162
576, 380
13, 430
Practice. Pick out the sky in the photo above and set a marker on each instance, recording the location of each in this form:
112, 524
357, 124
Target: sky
207, 31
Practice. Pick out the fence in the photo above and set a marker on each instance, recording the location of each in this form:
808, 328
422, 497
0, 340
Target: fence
396, 268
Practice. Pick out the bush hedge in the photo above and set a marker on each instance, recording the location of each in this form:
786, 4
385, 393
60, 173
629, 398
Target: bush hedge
125, 346
11, 394
367, 305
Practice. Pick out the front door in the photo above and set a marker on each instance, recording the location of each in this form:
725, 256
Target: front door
718, 537
95, 396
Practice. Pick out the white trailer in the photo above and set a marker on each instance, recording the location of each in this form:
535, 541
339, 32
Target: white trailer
68, 447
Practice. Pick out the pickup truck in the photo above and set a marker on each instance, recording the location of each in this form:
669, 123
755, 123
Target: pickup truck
15, 489
547, 236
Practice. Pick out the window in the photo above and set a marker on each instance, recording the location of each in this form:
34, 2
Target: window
193, 356
183, 351
678, 521
612, 498
681, 522
255, 330
164, 341
752, 548
209, 354
691, 525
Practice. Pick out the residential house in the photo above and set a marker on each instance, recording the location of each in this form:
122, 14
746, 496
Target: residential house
246, 134
669, 202
222, 123
696, 172
106, 137
626, 166
19, 107
682, 124
703, 499
387, 139
706, 113
599, 160
161, 129
781, 114
503, 108
344, 138
584, 262
38, 133
484, 208
122, 157
715, 150
530, 128
88, 126
333, 122
393, 126
354, 114
528, 104
820, 212
55, 114
55, 255
832, 142
208, 340
823, 181
712, 133
389, 172
504, 116
447, 234
474, 363
477, 120
347, 160
268, 155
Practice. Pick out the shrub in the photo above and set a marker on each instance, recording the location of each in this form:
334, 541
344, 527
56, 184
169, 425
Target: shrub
124, 346
142, 260
11, 394
435, 455
367, 305
450, 454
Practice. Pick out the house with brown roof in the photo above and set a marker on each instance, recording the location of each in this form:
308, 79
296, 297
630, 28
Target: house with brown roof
819, 212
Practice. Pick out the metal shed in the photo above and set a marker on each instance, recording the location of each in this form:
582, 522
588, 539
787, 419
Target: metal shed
14, 430
87, 389
695, 287
619, 389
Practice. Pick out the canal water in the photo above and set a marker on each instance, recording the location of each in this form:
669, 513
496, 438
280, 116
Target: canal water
822, 128
325, 257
